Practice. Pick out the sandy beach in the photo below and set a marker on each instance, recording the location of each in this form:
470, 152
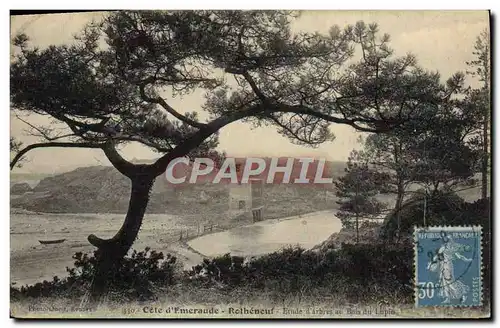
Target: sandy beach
33, 262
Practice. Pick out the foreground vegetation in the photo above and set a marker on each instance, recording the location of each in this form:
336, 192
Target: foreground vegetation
360, 273
368, 272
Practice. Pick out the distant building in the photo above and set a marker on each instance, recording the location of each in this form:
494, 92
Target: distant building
247, 197
240, 197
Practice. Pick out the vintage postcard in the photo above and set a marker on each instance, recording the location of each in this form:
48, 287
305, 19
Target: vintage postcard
250, 164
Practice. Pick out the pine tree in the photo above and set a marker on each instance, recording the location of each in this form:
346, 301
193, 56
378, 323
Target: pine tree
481, 66
357, 190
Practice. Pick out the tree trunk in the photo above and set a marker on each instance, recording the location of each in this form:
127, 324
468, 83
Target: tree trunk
398, 149
486, 118
356, 207
111, 251
484, 169
357, 228
399, 204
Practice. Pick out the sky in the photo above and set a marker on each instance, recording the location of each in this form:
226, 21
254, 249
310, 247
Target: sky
441, 40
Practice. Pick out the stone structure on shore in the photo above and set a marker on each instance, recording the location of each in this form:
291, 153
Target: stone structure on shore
246, 197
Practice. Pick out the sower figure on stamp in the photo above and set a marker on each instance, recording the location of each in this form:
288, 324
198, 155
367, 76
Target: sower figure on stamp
442, 262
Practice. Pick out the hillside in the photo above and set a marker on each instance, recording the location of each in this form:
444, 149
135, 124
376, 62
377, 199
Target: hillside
92, 189
30, 178
101, 189
20, 188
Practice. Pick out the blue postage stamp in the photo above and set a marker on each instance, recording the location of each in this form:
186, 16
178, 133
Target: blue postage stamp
448, 266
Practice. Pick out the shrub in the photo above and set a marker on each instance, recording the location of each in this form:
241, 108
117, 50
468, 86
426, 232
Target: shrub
356, 272
444, 208
226, 269
135, 277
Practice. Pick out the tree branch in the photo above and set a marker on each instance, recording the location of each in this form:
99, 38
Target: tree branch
160, 101
309, 140
43, 133
198, 137
142, 141
385, 125
121, 164
80, 128
254, 87
52, 144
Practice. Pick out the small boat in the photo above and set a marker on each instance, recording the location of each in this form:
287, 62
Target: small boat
57, 241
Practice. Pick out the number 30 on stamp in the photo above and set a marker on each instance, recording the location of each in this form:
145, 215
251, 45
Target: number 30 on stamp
448, 266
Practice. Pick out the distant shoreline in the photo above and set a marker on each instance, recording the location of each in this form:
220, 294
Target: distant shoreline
272, 221
263, 222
